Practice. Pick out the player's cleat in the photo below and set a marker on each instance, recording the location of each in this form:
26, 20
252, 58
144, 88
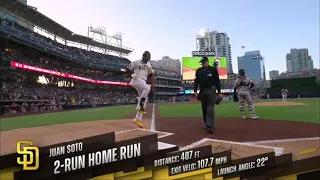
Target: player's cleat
209, 129
137, 122
141, 110
254, 117
244, 117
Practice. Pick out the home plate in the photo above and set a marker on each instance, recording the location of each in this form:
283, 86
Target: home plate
162, 145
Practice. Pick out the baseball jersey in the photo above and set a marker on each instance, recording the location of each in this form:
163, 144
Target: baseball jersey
140, 69
284, 91
245, 85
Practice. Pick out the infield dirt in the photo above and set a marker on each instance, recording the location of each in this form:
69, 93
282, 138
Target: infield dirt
280, 103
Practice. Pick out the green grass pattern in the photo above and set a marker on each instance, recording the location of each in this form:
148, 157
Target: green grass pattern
308, 113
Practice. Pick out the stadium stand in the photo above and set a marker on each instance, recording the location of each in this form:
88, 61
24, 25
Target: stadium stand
73, 76
308, 73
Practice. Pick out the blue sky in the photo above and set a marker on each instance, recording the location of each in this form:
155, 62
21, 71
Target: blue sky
169, 27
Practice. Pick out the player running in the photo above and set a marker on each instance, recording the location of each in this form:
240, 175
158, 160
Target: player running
140, 70
284, 93
243, 85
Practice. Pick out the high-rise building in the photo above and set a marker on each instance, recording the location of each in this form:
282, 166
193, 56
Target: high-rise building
273, 73
167, 63
253, 63
299, 60
216, 42
229, 82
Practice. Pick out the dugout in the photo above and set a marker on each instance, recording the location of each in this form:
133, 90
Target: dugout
306, 87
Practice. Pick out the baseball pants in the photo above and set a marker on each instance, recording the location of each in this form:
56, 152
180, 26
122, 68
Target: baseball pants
284, 97
244, 96
143, 90
208, 102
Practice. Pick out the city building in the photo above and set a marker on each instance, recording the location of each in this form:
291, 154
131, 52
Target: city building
229, 82
273, 73
299, 60
253, 63
216, 42
167, 63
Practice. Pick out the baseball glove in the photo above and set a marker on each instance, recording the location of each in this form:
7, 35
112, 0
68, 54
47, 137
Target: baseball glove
218, 100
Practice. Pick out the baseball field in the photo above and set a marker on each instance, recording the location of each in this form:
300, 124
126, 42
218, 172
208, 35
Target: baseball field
291, 126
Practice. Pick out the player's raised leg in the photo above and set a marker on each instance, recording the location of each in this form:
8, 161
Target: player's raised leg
143, 90
144, 97
138, 118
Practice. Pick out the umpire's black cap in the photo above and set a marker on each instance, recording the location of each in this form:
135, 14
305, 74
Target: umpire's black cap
204, 59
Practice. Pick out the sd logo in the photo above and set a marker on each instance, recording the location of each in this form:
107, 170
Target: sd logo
30, 155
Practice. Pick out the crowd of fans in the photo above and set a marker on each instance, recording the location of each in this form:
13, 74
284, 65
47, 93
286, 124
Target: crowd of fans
46, 97
24, 97
56, 66
168, 74
37, 40
47, 63
25, 92
92, 58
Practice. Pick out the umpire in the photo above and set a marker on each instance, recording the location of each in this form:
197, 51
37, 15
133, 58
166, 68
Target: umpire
208, 79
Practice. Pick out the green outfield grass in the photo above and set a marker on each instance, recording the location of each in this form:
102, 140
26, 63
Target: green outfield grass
306, 113
107, 113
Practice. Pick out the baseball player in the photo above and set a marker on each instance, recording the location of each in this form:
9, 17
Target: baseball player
243, 84
140, 71
284, 93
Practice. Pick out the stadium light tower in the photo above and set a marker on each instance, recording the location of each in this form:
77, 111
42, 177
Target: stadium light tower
106, 36
203, 40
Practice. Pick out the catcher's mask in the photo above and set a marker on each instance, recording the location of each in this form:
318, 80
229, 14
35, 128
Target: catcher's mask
146, 56
242, 72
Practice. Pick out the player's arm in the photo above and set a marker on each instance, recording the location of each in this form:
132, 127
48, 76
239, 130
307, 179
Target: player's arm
196, 81
153, 78
251, 84
130, 68
236, 84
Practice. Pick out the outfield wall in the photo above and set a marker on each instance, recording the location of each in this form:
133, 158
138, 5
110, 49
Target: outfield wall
305, 87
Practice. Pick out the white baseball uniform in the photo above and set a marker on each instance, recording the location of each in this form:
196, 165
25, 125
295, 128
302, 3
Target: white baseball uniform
140, 75
284, 93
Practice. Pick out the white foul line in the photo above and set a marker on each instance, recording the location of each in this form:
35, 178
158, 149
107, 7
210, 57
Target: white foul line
284, 140
153, 119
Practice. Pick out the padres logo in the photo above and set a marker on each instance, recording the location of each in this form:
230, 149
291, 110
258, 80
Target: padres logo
30, 155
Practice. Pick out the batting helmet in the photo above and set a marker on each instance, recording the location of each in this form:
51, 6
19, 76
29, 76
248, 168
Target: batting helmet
242, 72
